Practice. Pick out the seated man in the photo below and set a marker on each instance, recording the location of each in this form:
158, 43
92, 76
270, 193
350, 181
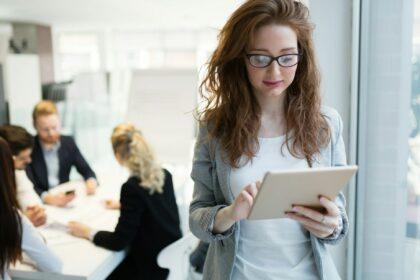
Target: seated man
21, 144
53, 157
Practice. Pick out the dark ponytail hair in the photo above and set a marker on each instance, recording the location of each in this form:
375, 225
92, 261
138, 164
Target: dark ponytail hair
10, 223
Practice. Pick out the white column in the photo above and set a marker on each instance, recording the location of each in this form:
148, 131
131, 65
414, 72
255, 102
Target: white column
385, 90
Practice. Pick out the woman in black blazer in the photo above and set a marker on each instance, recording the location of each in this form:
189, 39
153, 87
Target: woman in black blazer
149, 219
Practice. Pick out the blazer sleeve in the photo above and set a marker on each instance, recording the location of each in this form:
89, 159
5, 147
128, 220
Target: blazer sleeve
338, 158
203, 207
39, 189
80, 163
132, 209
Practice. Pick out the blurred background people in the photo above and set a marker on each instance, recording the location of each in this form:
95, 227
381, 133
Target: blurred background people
19, 236
53, 157
149, 219
21, 144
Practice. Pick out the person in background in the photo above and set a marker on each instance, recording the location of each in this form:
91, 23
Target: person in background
149, 219
263, 112
53, 157
17, 234
21, 144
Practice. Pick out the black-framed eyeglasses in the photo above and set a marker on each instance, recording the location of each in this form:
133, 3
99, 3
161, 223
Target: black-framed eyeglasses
262, 61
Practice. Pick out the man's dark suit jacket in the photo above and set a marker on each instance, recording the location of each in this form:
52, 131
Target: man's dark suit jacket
68, 156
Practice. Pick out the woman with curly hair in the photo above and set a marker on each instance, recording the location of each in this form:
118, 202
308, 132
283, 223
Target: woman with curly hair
149, 219
263, 112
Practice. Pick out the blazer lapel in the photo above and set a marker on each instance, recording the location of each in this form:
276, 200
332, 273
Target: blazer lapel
62, 155
39, 165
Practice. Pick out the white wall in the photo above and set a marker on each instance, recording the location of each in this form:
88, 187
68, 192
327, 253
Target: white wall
5, 34
22, 87
161, 103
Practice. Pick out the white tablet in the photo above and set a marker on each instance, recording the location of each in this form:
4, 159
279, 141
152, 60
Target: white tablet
282, 189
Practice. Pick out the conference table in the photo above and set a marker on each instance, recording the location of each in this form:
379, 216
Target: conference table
82, 260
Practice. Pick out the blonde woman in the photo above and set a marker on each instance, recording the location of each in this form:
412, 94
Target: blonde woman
149, 219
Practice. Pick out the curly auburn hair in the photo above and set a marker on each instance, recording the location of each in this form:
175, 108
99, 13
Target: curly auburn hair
232, 113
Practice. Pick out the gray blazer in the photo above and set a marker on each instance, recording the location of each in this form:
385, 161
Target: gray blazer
212, 191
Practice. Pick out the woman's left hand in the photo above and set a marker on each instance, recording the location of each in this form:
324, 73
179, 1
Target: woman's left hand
79, 230
319, 224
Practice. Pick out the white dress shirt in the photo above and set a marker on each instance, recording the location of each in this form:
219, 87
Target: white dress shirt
26, 194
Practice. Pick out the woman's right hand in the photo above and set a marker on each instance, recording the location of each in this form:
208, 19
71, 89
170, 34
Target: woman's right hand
238, 210
242, 205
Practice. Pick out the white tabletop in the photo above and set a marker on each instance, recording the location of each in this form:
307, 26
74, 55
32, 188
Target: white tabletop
81, 258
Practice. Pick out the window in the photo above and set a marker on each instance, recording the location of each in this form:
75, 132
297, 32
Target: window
412, 267
77, 53
383, 249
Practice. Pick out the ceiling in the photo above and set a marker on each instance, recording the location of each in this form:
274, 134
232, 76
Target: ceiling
189, 14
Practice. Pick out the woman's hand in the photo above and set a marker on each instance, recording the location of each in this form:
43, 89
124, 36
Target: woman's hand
242, 205
238, 210
112, 204
91, 185
36, 214
319, 224
79, 230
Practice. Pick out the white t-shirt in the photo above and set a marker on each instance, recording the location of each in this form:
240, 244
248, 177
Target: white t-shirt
276, 248
26, 194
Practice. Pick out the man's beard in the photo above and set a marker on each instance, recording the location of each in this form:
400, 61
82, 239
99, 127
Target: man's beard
51, 140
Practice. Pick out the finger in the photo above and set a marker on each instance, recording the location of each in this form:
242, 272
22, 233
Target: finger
247, 197
318, 233
331, 221
39, 211
108, 205
73, 225
38, 215
259, 184
252, 189
307, 212
39, 221
308, 222
331, 207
